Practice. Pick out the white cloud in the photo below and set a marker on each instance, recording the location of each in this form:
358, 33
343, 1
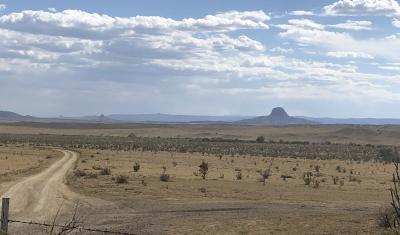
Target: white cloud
353, 25
391, 68
301, 13
386, 47
349, 54
112, 61
81, 24
80, 41
363, 7
306, 23
282, 50
2, 7
396, 23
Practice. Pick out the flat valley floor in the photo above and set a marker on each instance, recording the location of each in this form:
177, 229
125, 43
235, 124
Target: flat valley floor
348, 187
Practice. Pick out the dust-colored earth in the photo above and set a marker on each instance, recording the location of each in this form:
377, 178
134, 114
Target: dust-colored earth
187, 204
386, 134
39, 197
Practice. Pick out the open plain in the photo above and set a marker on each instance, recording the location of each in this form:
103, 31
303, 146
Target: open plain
153, 184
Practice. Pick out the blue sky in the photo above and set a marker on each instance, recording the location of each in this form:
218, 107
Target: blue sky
338, 58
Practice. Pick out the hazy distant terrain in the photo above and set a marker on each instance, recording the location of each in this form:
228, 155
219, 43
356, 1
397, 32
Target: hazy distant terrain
274, 120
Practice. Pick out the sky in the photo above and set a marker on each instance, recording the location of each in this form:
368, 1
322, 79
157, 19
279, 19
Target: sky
329, 58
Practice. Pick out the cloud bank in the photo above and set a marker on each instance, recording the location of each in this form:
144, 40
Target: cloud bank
76, 62
363, 7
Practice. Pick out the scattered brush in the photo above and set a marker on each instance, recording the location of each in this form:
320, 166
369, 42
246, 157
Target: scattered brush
121, 179
80, 173
136, 167
203, 169
164, 177
285, 177
91, 175
105, 171
239, 175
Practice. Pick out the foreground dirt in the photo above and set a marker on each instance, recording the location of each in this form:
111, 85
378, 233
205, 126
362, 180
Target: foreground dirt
228, 205
23, 160
45, 198
42, 194
144, 205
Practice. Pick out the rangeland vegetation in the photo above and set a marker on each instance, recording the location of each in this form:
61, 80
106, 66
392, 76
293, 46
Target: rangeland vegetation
296, 182
17, 160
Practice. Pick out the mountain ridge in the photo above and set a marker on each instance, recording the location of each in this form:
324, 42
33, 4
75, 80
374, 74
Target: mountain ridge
7, 116
278, 117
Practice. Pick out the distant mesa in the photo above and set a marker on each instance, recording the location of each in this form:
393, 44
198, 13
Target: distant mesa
278, 117
278, 113
103, 118
6, 116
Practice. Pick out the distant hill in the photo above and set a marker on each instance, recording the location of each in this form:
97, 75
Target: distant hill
6, 116
278, 117
101, 118
159, 117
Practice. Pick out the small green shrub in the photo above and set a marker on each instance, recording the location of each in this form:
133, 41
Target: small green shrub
164, 177
203, 169
386, 217
91, 176
260, 139
239, 175
307, 178
79, 173
105, 171
121, 179
136, 167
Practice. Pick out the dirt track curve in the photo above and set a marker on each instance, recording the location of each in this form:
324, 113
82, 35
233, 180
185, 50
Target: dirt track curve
43, 194
39, 197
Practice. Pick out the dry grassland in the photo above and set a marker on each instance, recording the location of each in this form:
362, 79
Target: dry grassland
335, 133
366, 178
21, 160
337, 197
349, 206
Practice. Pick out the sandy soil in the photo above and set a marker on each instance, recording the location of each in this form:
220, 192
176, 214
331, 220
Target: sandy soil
230, 206
41, 195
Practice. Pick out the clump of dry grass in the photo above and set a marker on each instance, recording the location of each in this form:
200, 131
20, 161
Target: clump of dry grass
121, 179
307, 177
386, 217
239, 175
105, 171
136, 167
164, 177
203, 169
79, 173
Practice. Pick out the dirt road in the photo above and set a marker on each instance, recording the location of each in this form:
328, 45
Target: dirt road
37, 198
43, 194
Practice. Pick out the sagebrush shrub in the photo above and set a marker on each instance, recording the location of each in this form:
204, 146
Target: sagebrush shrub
121, 179
136, 167
105, 171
